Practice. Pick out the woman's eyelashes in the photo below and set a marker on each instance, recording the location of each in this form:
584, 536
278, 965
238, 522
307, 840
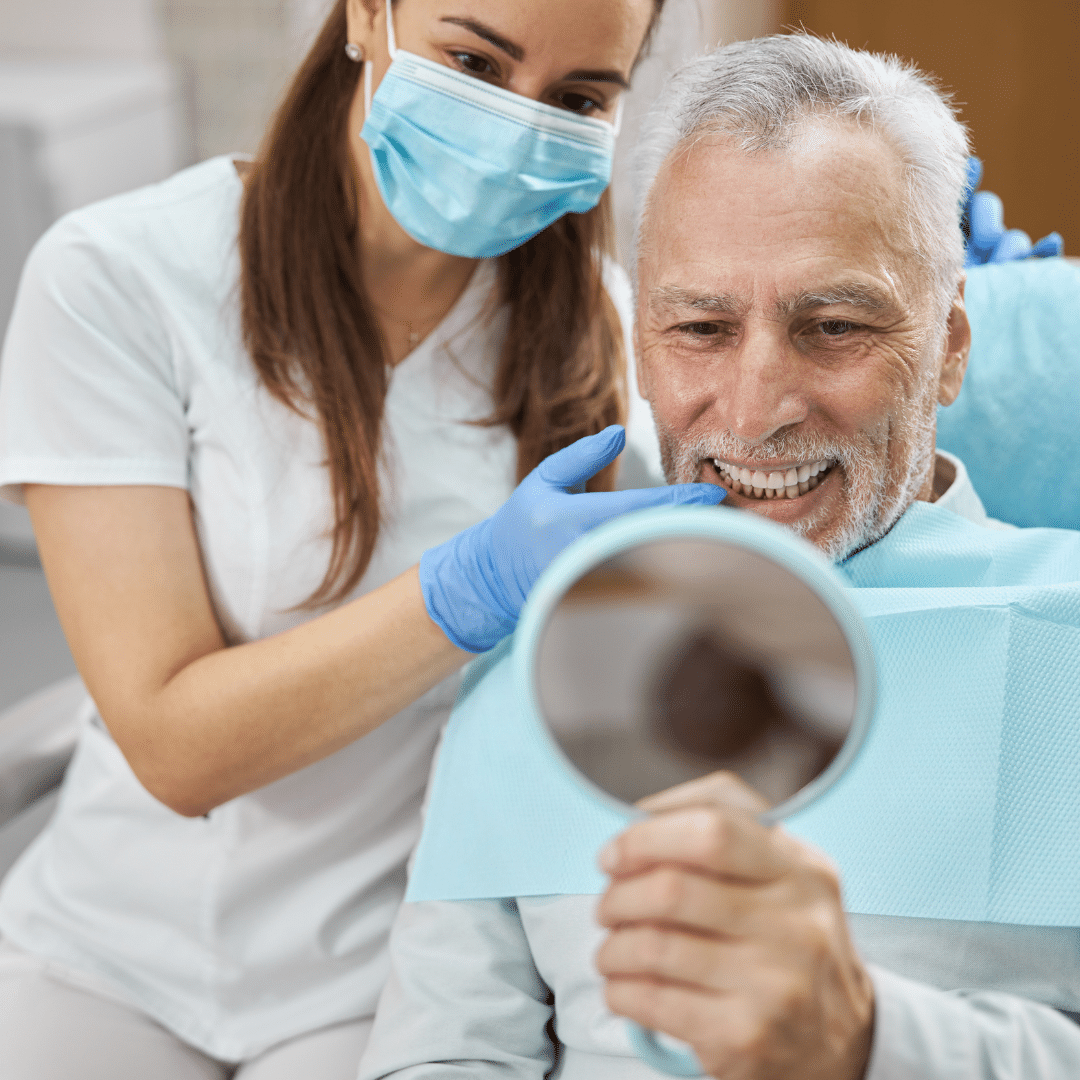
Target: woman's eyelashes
577, 102
483, 67
475, 64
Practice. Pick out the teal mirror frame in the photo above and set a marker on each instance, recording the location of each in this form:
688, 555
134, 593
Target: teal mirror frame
698, 523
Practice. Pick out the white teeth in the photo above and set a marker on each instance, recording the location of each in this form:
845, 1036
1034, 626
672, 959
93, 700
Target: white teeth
791, 483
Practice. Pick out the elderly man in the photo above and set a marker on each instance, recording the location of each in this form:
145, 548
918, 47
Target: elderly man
800, 318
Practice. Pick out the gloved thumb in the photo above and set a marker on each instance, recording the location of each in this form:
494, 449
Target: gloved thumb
581, 460
1049, 245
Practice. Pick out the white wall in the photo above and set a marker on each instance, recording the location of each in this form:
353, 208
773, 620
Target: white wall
83, 28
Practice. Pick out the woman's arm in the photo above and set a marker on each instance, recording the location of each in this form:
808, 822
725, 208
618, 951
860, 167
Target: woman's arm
199, 722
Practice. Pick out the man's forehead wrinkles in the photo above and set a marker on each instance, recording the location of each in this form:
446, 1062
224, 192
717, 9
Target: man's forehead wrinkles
677, 296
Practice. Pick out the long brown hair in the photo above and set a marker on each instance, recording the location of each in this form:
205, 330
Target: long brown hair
310, 330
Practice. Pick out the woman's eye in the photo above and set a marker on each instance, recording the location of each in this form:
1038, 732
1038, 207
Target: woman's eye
475, 65
579, 103
835, 327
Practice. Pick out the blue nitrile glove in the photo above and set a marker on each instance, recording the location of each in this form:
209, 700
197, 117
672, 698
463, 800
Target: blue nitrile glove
475, 584
984, 222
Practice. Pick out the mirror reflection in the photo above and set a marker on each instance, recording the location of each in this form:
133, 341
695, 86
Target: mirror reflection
680, 657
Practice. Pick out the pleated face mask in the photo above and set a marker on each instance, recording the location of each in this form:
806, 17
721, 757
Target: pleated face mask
474, 170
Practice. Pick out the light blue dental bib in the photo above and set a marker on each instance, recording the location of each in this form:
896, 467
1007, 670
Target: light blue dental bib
963, 802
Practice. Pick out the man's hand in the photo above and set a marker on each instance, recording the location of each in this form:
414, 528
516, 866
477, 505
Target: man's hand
730, 935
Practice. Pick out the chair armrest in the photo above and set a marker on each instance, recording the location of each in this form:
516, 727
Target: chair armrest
37, 739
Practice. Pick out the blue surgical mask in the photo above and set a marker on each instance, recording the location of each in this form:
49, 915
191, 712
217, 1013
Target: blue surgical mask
474, 170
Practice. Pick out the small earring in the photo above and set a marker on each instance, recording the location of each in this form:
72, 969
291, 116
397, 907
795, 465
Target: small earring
354, 52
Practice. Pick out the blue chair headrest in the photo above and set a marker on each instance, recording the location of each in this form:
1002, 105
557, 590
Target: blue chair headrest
1016, 423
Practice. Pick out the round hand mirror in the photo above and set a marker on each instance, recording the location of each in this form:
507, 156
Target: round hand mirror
673, 644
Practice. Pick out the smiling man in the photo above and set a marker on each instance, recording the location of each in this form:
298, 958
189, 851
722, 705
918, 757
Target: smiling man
799, 320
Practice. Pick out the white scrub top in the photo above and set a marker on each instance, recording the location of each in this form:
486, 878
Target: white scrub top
123, 364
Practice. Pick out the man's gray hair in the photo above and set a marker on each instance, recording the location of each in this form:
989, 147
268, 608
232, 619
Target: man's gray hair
761, 92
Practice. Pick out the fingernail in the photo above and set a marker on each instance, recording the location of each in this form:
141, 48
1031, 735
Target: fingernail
608, 858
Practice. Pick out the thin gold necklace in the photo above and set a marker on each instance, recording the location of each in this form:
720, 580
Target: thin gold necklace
411, 324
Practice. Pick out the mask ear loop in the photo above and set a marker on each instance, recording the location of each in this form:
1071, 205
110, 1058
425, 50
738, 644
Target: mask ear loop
391, 39
391, 48
616, 123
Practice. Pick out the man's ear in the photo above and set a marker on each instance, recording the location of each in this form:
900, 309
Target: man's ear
957, 347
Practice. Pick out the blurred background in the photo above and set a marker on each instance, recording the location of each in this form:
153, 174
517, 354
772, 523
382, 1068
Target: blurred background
100, 96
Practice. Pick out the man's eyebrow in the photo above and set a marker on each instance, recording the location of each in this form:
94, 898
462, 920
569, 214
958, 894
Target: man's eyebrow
851, 293
515, 52
676, 296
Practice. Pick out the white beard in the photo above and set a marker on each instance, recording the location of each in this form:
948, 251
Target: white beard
875, 494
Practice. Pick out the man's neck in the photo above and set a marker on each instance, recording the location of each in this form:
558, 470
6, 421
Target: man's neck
944, 477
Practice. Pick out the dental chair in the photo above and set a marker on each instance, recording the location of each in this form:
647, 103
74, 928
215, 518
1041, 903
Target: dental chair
1016, 425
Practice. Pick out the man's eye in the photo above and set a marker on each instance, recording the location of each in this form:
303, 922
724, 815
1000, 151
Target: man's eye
579, 103
701, 329
473, 64
836, 327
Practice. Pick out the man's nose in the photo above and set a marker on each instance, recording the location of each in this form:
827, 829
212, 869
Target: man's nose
760, 394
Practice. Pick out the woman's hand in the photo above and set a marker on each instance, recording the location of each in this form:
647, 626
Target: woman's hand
476, 583
988, 241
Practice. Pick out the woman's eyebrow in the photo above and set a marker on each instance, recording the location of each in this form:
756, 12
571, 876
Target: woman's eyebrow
515, 52
597, 76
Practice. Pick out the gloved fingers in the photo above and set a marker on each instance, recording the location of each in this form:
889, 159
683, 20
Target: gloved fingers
1048, 246
599, 506
581, 460
974, 175
987, 220
1014, 244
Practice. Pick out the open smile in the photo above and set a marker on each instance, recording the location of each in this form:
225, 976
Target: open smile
773, 482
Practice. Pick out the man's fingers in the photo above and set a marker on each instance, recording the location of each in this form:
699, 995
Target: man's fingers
715, 840
723, 788
651, 952
673, 896
737, 1033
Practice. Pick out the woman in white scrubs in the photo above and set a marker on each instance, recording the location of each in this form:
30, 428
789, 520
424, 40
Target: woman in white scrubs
242, 406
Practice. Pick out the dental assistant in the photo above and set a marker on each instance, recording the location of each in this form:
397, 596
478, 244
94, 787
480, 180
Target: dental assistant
296, 436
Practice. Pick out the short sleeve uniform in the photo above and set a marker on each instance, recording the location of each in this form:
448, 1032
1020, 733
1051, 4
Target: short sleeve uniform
124, 364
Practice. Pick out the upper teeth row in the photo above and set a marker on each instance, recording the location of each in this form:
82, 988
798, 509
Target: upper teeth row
798, 474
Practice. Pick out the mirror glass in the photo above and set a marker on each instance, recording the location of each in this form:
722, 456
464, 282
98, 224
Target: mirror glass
681, 657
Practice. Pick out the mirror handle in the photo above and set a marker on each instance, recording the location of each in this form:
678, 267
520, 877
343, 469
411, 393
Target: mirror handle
665, 1059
